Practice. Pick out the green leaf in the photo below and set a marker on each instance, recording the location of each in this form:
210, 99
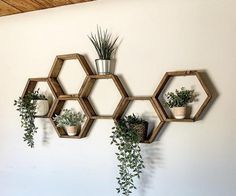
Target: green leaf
129, 152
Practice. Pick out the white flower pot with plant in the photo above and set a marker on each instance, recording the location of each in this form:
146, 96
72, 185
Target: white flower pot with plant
31, 105
177, 101
42, 107
105, 47
70, 120
128, 133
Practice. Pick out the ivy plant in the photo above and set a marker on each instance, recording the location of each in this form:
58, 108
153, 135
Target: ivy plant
179, 98
27, 107
127, 139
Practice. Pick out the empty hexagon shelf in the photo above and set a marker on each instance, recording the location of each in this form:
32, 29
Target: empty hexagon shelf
57, 110
156, 129
86, 91
32, 84
56, 69
167, 77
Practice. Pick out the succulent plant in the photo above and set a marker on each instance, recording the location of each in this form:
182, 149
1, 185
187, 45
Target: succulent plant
103, 43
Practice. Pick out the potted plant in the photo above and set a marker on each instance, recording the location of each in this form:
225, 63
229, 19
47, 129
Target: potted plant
31, 105
105, 47
128, 132
42, 105
178, 101
70, 120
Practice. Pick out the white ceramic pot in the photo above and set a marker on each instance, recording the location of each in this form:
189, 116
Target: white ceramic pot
179, 112
42, 107
72, 130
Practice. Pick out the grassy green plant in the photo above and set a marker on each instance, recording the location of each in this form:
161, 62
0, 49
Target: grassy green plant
69, 117
27, 107
103, 43
127, 139
179, 98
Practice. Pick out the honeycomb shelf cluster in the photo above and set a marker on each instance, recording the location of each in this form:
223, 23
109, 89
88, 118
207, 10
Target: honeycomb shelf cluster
87, 86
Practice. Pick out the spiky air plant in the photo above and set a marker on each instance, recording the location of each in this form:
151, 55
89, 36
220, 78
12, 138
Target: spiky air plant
103, 43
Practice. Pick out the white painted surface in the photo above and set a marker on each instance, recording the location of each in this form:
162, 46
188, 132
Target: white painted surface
196, 159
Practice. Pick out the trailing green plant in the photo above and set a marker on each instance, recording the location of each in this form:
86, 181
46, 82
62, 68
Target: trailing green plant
69, 117
179, 98
103, 43
27, 107
126, 138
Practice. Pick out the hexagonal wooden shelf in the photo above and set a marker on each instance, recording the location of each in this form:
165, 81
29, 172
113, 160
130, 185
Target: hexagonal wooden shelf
153, 134
30, 87
57, 110
162, 85
57, 66
87, 88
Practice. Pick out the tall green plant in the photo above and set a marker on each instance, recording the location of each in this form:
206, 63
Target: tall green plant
103, 43
27, 107
126, 138
179, 98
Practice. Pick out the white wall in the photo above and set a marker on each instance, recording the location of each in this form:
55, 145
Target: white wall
196, 159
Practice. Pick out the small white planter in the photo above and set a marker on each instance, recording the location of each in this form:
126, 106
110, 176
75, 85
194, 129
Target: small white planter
42, 107
179, 112
72, 130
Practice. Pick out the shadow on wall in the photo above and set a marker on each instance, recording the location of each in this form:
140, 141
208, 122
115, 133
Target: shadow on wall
47, 131
89, 62
215, 94
128, 90
46, 124
151, 153
153, 159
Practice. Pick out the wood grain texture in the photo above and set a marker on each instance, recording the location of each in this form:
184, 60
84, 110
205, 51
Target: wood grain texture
56, 86
8, 7
162, 85
155, 131
57, 67
60, 59
25, 5
88, 87
60, 102
30, 87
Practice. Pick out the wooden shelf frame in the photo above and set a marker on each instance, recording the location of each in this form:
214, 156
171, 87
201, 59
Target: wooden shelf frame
30, 87
87, 88
156, 130
60, 102
57, 66
162, 85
